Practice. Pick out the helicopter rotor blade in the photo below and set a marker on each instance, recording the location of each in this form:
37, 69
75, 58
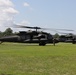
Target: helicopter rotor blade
20, 26
59, 32
52, 29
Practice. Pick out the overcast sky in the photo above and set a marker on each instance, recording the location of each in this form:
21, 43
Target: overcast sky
59, 14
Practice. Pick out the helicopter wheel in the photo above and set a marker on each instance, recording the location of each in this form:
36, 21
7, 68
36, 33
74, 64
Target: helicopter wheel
1, 42
42, 44
73, 42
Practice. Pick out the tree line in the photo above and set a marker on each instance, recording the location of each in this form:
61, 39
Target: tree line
7, 32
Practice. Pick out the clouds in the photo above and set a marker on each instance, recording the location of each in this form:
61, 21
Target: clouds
7, 13
7, 7
26, 4
5, 3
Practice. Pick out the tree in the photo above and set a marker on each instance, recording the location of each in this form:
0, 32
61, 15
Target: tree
8, 31
56, 35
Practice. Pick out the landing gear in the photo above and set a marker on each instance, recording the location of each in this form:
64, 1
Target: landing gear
54, 40
73, 41
1, 42
42, 44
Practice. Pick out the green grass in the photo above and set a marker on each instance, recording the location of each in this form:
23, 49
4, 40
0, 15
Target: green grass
21, 59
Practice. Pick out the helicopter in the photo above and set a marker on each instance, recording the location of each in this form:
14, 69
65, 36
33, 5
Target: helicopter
40, 37
70, 38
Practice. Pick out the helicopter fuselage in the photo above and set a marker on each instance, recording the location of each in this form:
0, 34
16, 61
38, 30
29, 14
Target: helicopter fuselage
30, 37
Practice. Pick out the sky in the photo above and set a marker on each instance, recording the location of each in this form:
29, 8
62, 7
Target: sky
58, 14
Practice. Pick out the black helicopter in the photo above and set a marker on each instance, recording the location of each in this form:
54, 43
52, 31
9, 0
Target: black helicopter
40, 37
68, 38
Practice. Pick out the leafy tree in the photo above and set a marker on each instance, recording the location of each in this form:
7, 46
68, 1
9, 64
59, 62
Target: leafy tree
8, 31
56, 35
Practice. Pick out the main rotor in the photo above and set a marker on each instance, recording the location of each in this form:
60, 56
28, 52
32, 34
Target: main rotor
20, 26
37, 28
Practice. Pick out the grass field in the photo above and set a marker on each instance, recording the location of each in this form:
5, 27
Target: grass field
21, 59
